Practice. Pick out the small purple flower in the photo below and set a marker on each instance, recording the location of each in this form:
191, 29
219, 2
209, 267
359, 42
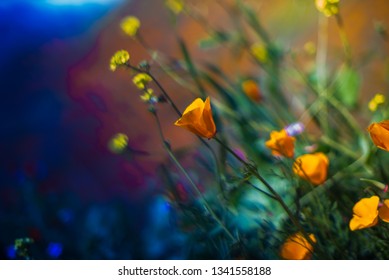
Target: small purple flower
294, 129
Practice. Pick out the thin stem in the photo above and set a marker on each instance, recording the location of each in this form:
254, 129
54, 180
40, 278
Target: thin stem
335, 103
343, 37
178, 112
338, 146
165, 94
262, 191
277, 197
321, 57
192, 183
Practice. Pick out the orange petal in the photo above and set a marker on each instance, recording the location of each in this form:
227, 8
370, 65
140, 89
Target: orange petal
379, 133
384, 124
198, 118
383, 211
281, 143
312, 167
297, 247
361, 223
208, 119
365, 213
191, 117
196, 104
366, 206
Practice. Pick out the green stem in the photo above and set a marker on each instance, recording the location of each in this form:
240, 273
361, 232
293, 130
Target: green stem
338, 146
192, 183
333, 101
321, 57
178, 112
343, 38
272, 191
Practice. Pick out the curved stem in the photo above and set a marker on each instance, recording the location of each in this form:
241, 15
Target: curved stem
192, 183
178, 112
272, 191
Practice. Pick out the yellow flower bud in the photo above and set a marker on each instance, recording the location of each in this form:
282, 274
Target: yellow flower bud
118, 143
148, 95
119, 58
327, 7
130, 25
260, 52
377, 100
176, 6
141, 80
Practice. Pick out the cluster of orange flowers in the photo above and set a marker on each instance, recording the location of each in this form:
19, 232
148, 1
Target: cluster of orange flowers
198, 119
311, 167
367, 211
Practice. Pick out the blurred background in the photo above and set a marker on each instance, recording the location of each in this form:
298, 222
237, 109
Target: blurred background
59, 184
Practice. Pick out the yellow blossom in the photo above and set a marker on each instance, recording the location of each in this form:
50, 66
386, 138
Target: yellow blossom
365, 213
198, 118
176, 6
379, 133
148, 95
130, 25
328, 7
378, 99
312, 167
296, 247
119, 58
141, 80
281, 143
260, 52
118, 143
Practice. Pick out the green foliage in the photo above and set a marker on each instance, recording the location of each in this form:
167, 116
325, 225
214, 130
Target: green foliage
348, 86
252, 197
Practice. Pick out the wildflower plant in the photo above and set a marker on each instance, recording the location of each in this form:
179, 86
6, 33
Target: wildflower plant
272, 180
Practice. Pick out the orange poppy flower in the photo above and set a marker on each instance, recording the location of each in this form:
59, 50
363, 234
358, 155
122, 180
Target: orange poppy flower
297, 247
198, 118
379, 133
383, 211
281, 143
312, 167
252, 91
365, 213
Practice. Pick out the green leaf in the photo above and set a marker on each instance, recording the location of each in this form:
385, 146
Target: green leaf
214, 40
348, 86
252, 18
192, 68
208, 43
224, 93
